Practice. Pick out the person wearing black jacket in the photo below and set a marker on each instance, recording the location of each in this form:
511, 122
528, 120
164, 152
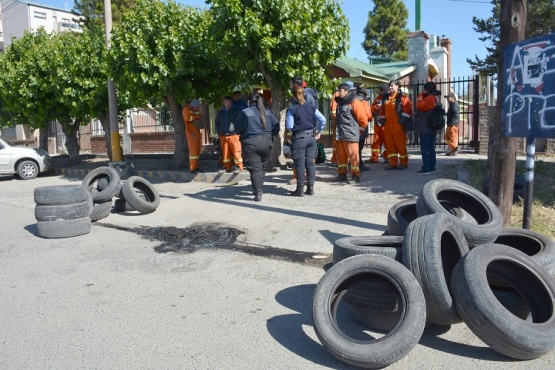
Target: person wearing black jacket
452, 131
257, 127
229, 139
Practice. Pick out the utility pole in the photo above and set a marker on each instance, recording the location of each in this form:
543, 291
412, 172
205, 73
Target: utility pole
112, 99
501, 148
417, 13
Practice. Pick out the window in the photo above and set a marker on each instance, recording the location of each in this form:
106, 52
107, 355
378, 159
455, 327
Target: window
40, 15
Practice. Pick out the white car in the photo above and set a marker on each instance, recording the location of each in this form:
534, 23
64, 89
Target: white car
26, 163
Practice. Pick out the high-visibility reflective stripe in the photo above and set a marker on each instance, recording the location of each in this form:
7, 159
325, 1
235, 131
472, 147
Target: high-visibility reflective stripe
403, 156
375, 150
341, 165
190, 157
393, 155
353, 168
227, 160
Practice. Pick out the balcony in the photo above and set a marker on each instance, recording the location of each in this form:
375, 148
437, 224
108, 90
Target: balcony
69, 26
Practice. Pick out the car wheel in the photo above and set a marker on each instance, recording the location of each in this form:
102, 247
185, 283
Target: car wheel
27, 170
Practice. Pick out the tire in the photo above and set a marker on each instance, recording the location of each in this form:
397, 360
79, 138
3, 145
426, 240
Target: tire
102, 183
27, 170
131, 196
62, 212
389, 246
369, 353
486, 316
538, 246
101, 210
63, 229
373, 319
91, 183
483, 221
60, 194
120, 205
401, 214
432, 247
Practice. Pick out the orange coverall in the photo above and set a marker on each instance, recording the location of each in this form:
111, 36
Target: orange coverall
379, 133
193, 135
347, 151
395, 138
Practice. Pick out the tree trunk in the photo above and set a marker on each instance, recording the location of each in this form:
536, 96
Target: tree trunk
279, 103
43, 138
72, 143
502, 149
104, 119
181, 150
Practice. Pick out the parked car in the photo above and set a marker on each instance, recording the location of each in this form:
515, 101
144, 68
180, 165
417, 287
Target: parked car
26, 163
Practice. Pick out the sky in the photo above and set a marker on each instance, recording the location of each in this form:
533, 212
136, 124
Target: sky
452, 18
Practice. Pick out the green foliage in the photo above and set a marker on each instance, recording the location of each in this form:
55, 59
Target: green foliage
539, 22
93, 11
386, 31
275, 40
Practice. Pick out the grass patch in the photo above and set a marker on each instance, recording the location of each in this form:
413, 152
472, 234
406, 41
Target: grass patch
543, 204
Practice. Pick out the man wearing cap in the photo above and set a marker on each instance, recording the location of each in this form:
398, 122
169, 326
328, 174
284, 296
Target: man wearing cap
333, 109
379, 133
350, 118
192, 119
452, 131
361, 94
229, 138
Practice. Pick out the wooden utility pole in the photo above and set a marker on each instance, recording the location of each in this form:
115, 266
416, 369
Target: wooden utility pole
501, 148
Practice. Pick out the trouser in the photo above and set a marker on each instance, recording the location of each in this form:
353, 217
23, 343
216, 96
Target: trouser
428, 151
304, 152
193, 143
347, 151
396, 144
362, 142
452, 137
333, 142
256, 154
231, 150
377, 143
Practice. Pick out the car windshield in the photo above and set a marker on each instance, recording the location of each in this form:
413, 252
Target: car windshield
6, 141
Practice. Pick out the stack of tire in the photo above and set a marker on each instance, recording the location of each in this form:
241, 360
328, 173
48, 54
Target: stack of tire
133, 194
62, 211
447, 259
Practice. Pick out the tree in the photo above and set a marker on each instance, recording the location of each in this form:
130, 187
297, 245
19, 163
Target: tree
386, 31
276, 40
540, 15
93, 11
164, 52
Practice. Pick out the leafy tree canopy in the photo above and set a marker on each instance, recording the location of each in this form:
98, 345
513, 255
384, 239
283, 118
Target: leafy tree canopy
386, 31
93, 11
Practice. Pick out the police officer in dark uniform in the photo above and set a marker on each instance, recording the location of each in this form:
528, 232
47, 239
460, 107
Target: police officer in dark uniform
257, 127
301, 120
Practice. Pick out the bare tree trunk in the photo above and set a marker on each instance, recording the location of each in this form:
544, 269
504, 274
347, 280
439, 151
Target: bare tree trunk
72, 143
502, 149
181, 150
43, 138
279, 103
104, 119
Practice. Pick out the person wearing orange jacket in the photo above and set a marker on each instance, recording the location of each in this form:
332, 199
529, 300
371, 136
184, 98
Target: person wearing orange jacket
191, 117
379, 130
351, 117
362, 94
394, 112
426, 101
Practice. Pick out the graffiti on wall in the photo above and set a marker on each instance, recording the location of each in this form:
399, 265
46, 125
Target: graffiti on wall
529, 88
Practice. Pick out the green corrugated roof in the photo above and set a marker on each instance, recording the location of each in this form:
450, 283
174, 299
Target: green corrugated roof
380, 71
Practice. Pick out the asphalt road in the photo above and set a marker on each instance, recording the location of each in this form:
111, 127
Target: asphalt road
111, 300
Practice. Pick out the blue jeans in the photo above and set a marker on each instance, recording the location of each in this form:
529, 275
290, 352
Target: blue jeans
428, 151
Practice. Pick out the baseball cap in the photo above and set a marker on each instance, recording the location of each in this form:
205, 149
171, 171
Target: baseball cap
384, 87
194, 103
350, 84
450, 95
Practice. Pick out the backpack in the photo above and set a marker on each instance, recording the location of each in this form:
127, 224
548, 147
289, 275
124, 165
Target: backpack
436, 117
407, 123
320, 153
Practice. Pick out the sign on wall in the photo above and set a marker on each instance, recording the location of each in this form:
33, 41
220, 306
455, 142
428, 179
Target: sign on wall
529, 88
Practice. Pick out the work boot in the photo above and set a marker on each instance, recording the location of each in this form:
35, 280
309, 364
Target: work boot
363, 167
341, 177
258, 196
309, 189
449, 153
354, 179
299, 192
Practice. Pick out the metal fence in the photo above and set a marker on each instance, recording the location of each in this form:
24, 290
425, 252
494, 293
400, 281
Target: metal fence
141, 120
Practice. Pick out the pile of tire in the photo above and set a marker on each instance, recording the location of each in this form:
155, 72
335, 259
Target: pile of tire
133, 194
447, 259
62, 211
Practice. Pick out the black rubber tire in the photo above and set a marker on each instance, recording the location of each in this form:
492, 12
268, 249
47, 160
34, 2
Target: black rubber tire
27, 169
389, 246
120, 205
60, 194
63, 229
101, 210
97, 174
102, 183
401, 214
131, 195
63, 211
432, 246
485, 221
372, 353
486, 316
538, 246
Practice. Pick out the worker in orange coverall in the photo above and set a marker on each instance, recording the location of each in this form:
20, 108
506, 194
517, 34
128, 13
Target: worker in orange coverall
333, 107
191, 117
379, 130
396, 110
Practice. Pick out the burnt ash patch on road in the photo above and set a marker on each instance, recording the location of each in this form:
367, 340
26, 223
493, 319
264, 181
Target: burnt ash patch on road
196, 237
